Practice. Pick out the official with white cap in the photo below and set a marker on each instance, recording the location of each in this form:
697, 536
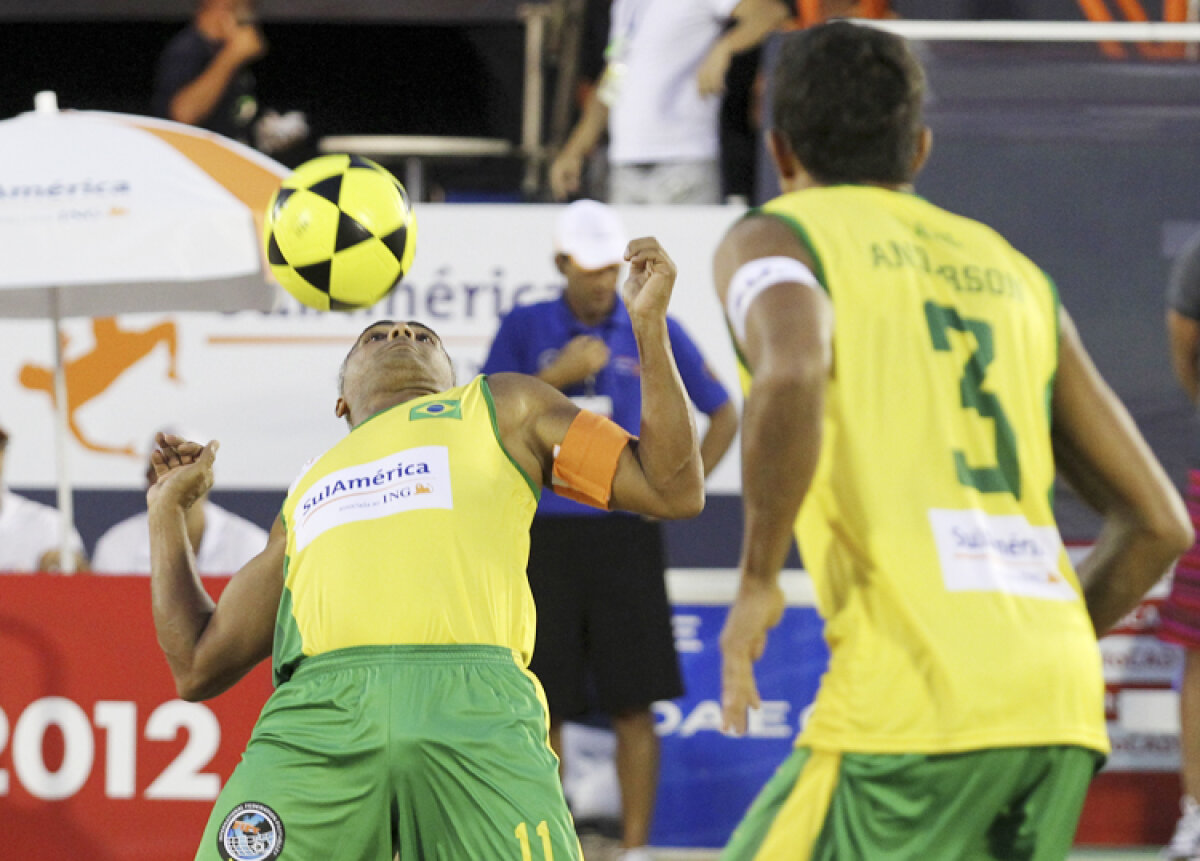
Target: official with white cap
597, 577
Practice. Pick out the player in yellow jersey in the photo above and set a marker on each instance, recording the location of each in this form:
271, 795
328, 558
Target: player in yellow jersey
912, 388
392, 595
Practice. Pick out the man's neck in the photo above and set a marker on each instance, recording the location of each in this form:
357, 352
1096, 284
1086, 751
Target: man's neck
388, 400
803, 181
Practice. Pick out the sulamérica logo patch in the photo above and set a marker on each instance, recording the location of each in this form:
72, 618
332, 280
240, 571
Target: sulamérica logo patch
407, 480
251, 832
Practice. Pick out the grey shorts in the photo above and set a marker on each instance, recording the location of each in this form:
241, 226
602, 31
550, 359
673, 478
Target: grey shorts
697, 182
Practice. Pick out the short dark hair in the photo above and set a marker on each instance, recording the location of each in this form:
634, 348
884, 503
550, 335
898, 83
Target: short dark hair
848, 99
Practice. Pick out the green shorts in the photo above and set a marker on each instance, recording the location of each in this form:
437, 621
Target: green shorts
999, 803
436, 752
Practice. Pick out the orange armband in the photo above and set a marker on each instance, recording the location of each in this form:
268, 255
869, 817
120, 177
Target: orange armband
586, 462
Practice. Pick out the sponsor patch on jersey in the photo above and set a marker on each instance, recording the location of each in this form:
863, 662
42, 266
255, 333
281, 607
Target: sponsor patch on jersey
251, 832
408, 480
981, 552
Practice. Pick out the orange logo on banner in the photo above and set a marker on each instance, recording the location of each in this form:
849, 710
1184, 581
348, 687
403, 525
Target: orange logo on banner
116, 350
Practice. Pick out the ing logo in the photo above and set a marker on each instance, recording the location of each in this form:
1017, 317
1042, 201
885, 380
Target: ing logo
115, 351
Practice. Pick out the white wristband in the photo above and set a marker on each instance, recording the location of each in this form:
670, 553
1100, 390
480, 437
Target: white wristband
753, 278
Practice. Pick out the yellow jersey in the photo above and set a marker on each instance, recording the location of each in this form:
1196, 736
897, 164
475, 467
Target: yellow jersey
954, 618
414, 529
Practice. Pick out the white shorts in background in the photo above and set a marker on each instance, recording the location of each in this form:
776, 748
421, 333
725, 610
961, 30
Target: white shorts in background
697, 182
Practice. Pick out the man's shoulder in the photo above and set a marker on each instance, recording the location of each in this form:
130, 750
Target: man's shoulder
679, 333
134, 525
507, 384
675, 327
118, 543
18, 506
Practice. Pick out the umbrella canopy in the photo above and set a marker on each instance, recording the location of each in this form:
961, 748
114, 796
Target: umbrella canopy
118, 213
104, 214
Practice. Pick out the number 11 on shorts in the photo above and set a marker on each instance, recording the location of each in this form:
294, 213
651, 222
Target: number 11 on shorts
543, 831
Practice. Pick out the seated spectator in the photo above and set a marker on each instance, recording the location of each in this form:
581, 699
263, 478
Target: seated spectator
222, 541
29, 531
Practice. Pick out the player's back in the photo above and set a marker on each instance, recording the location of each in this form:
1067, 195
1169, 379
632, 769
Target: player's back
952, 611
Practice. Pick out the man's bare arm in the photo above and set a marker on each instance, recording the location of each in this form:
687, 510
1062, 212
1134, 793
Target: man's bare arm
659, 473
752, 21
788, 346
566, 171
208, 646
1100, 452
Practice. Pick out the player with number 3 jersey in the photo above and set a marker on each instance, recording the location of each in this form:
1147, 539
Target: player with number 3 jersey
913, 385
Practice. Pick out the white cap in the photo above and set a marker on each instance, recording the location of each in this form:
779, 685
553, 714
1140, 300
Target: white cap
591, 234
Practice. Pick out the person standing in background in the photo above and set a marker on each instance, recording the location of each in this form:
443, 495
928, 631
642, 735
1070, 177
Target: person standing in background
29, 531
1179, 616
203, 79
659, 98
598, 577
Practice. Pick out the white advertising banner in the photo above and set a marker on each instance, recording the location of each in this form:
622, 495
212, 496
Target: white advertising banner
265, 383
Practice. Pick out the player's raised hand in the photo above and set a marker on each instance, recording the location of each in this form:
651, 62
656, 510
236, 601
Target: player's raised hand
758, 608
647, 290
183, 471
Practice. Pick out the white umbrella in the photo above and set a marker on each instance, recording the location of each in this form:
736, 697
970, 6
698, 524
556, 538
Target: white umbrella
103, 214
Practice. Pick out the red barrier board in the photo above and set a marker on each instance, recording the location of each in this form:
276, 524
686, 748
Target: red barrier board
99, 759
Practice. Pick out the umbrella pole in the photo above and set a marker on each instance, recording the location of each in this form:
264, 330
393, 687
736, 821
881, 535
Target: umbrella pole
66, 507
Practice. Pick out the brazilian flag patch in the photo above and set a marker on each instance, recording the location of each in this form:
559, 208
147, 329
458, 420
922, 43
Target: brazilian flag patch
436, 410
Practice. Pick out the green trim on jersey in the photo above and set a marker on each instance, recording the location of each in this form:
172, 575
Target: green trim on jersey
802, 235
491, 405
287, 641
1057, 363
374, 416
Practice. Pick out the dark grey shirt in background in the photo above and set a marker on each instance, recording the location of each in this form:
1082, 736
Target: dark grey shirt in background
184, 59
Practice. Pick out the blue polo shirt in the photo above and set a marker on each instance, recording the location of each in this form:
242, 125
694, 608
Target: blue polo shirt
530, 337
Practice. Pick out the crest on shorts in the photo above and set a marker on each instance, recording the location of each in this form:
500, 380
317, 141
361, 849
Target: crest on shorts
251, 832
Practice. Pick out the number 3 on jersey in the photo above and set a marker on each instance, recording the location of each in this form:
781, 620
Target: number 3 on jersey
1005, 476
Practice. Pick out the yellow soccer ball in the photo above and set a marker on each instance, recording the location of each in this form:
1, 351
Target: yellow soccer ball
340, 233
